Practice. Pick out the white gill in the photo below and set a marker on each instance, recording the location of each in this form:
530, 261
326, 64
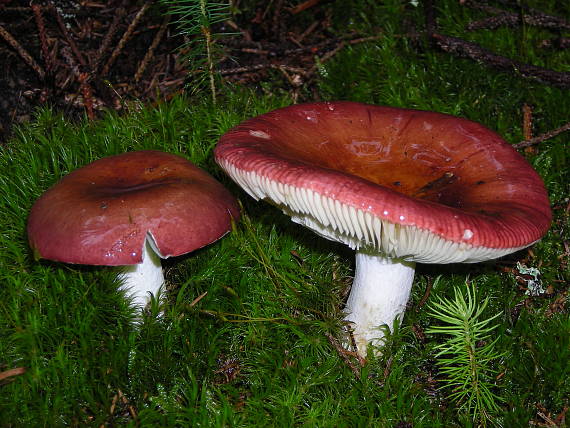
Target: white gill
357, 228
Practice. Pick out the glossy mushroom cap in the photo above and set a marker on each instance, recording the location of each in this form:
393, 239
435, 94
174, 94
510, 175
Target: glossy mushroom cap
409, 184
102, 214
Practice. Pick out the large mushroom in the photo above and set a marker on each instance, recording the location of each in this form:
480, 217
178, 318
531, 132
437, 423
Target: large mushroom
131, 210
399, 186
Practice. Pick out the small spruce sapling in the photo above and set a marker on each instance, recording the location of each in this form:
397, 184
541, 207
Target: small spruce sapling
468, 357
194, 20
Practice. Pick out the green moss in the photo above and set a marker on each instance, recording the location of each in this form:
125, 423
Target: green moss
253, 351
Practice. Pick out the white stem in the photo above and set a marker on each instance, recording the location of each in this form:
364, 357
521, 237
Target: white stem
139, 280
379, 295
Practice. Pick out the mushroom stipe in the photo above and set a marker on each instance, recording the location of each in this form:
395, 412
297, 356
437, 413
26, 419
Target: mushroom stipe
399, 186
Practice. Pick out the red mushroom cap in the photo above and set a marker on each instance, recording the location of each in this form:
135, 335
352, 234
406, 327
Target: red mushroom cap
413, 184
102, 213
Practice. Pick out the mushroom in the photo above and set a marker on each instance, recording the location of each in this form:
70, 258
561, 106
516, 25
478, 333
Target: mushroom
399, 186
131, 210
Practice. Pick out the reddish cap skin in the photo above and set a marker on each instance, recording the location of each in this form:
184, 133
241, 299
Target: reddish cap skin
434, 171
100, 214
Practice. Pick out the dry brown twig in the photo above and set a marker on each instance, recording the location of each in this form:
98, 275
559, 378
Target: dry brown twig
87, 93
83, 79
465, 49
346, 355
132, 410
109, 36
257, 67
7, 374
342, 44
22, 52
126, 36
320, 52
38, 16
426, 295
509, 19
542, 137
67, 36
113, 404
308, 31
527, 122
150, 52
504, 17
558, 43
197, 299
304, 6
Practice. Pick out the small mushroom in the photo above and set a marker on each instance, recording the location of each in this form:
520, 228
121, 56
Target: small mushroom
399, 186
131, 210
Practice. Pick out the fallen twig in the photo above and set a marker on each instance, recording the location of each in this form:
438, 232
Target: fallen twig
328, 55
559, 43
278, 23
126, 36
319, 53
87, 93
132, 410
542, 137
308, 31
67, 11
67, 36
83, 79
527, 122
12, 372
425, 296
363, 39
304, 6
150, 52
509, 19
109, 36
257, 67
465, 49
506, 18
345, 355
197, 299
113, 404
37, 10
22, 52
70, 61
